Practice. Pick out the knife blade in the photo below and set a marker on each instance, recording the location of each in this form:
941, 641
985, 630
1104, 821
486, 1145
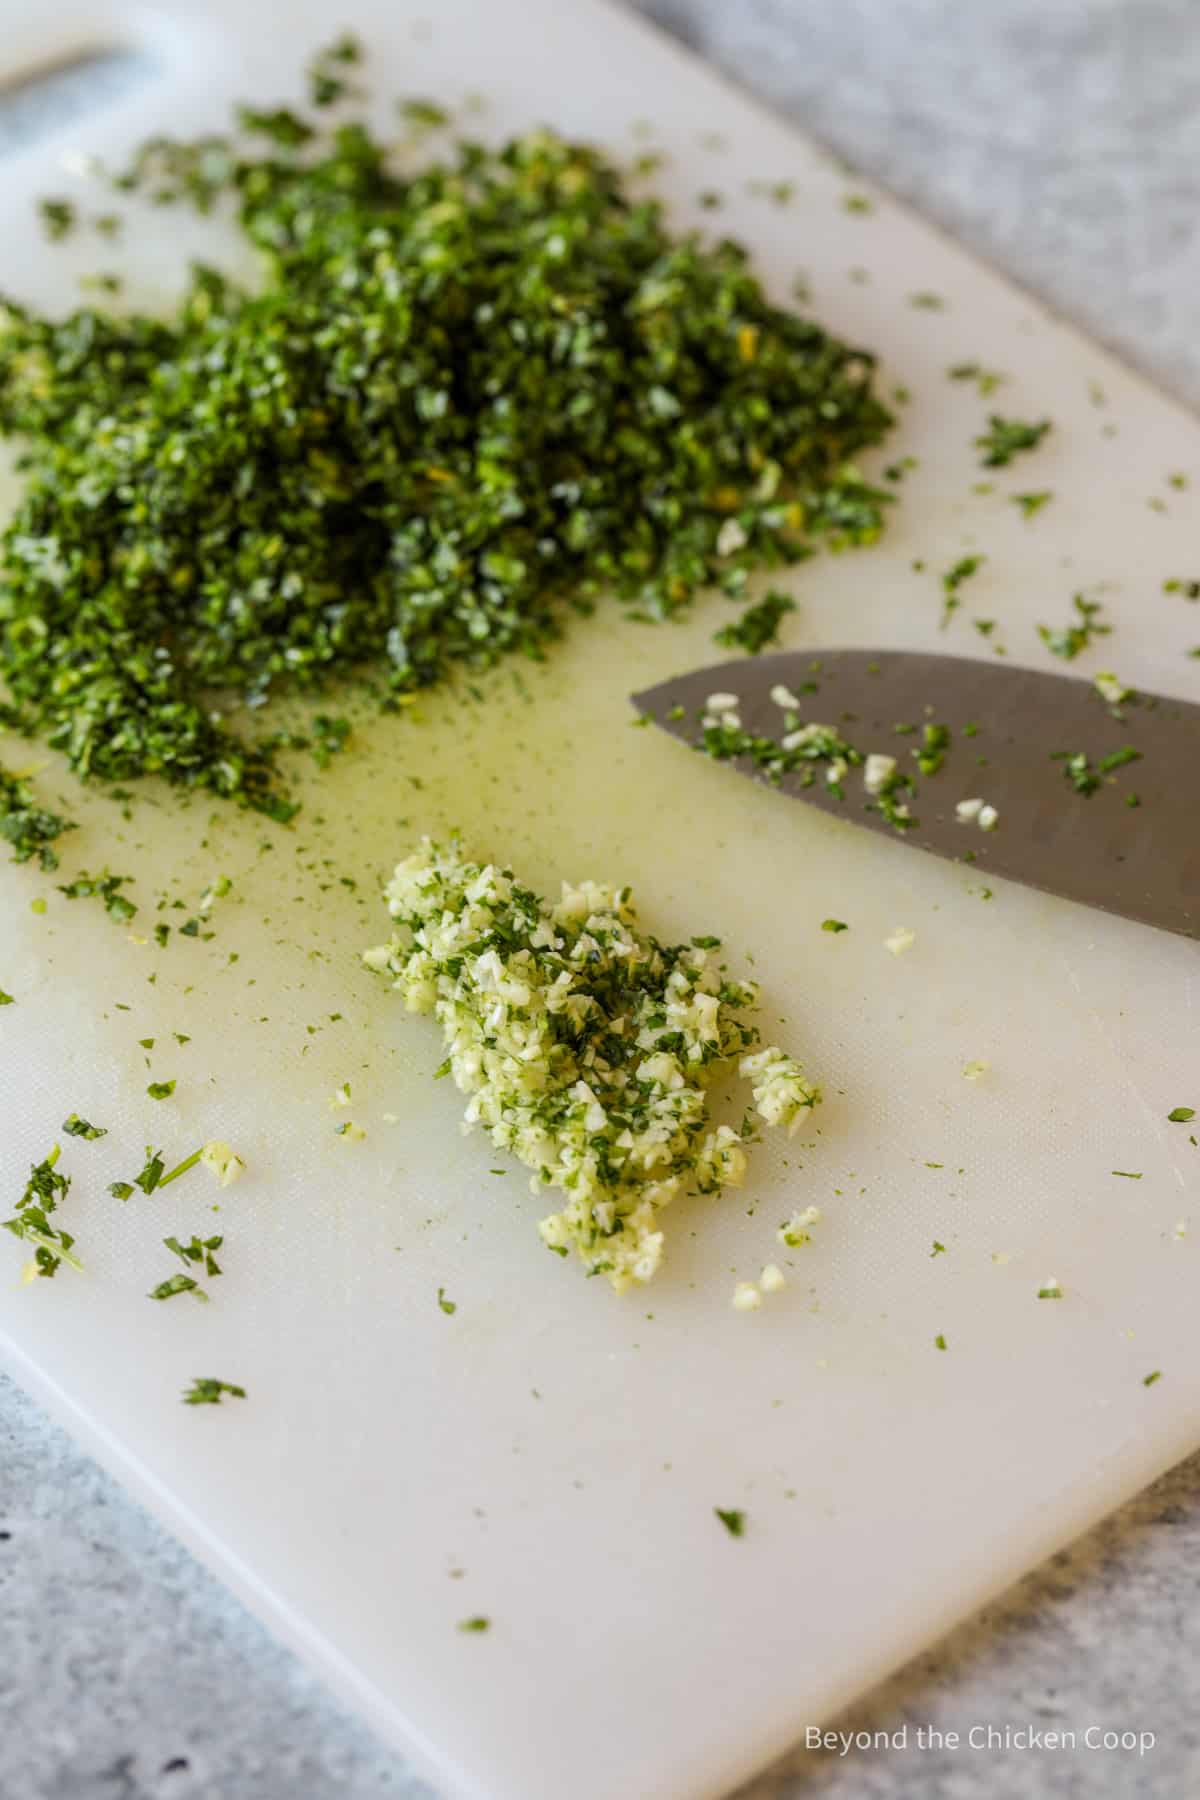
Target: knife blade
1113, 831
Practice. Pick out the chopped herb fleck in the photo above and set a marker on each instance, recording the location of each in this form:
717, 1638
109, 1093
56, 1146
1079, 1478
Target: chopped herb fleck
758, 626
450, 1306
1179, 1115
74, 1126
952, 580
27, 827
161, 1090
1070, 639
1006, 438
1150, 1379
31, 1222
732, 1519
206, 1390
986, 380
940, 1340
834, 925
1031, 503
480, 1622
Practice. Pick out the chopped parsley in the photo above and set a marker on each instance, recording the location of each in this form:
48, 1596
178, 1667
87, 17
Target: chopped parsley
74, 1126
206, 1390
450, 1306
834, 925
1179, 1115
1129, 1174
463, 401
27, 827
986, 380
938, 1249
1006, 438
952, 580
1070, 639
103, 887
31, 1222
732, 1519
758, 626
58, 218
161, 1090
1150, 1379
1032, 503
940, 1340
479, 1622
6, 999
177, 1284
1086, 777
1189, 589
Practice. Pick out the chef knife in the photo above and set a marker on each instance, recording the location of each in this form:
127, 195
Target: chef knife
1076, 812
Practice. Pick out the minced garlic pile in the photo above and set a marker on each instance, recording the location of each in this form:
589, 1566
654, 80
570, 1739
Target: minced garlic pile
585, 1047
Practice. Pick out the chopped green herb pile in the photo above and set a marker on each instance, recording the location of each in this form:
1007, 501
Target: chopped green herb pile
27, 827
31, 1222
465, 398
1006, 438
585, 1047
206, 1390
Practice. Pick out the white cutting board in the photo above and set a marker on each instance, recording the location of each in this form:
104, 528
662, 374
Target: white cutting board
550, 1455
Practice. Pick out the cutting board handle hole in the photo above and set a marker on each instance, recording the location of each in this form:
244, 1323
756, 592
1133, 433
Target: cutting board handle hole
39, 101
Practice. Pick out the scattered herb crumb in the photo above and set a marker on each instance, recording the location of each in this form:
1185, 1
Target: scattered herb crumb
986, 380
1070, 639
732, 1519
1129, 1174
758, 626
480, 1622
31, 1222
952, 581
447, 1306
940, 1340
1179, 1115
938, 1249
1032, 503
206, 1390
74, 1126
834, 925
161, 1090
27, 827
1006, 438
1051, 1290
1150, 1379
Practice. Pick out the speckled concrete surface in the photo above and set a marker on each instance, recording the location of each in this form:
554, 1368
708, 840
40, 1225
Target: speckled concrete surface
1061, 141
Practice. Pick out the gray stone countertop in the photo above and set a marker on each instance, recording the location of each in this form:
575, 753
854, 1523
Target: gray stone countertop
1060, 139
